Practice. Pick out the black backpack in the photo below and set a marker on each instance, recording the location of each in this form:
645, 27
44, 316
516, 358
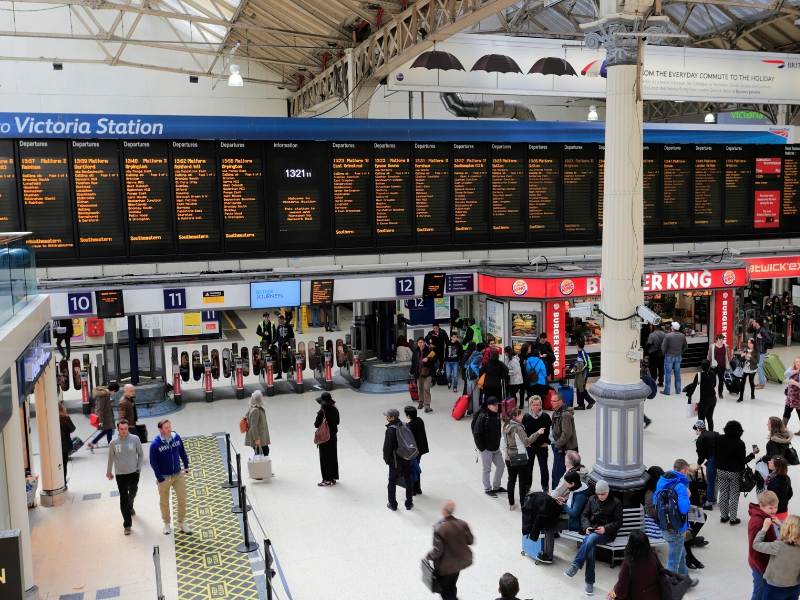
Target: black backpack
670, 517
769, 339
477, 428
406, 443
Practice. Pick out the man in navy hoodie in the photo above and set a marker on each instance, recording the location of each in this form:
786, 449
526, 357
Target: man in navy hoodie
166, 454
671, 500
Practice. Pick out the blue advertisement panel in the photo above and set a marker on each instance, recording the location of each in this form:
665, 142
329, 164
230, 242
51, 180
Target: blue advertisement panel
274, 294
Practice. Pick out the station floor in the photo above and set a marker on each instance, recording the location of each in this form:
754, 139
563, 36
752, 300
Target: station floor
341, 542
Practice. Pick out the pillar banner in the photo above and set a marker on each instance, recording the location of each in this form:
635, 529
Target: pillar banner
555, 313
723, 315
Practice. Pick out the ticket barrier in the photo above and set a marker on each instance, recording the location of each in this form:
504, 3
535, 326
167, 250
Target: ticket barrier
208, 385
296, 378
86, 385
269, 378
177, 394
324, 370
351, 368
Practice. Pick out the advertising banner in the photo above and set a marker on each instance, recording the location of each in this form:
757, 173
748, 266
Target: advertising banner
555, 313
723, 315
773, 267
495, 321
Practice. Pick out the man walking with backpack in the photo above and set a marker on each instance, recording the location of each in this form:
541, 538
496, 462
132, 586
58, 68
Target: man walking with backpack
486, 432
672, 504
399, 449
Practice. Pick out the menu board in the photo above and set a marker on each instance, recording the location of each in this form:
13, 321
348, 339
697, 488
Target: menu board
432, 191
241, 173
321, 292
677, 188
601, 182
98, 198
9, 204
651, 186
351, 172
147, 192
708, 186
791, 185
738, 186
298, 199
109, 304
544, 191
767, 187
194, 172
392, 180
471, 192
507, 192
579, 190
44, 173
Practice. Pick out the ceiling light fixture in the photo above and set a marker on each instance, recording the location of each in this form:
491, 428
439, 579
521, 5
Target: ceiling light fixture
592, 116
235, 78
710, 118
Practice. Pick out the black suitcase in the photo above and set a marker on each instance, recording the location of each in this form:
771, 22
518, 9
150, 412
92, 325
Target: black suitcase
441, 378
141, 432
731, 383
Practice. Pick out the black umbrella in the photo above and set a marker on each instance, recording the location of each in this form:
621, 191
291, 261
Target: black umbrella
496, 63
436, 59
552, 65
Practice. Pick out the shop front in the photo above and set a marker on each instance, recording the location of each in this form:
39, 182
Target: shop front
773, 295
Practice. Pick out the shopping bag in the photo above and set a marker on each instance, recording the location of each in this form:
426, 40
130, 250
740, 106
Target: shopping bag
260, 467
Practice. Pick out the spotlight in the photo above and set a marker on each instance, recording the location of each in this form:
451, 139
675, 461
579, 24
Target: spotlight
710, 118
235, 78
592, 116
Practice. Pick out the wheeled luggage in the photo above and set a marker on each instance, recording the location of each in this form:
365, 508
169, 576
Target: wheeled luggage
773, 368
732, 384
77, 444
567, 392
260, 467
441, 378
530, 548
413, 391
460, 407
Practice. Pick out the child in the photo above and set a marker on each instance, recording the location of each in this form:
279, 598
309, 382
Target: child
767, 506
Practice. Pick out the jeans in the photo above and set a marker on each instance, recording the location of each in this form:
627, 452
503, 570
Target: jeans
315, 317
451, 369
559, 467
394, 473
711, 480
447, 584
585, 554
488, 457
758, 584
127, 485
514, 472
676, 557
539, 454
772, 592
100, 433
655, 362
762, 376
672, 365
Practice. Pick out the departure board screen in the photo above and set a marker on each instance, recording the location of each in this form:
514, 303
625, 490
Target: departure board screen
791, 185
392, 181
298, 175
148, 196
471, 192
544, 191
9, 203
601, 182
109, 304
580, 220
244, 216
433, 285
432, 191
98, 198
738, 186
708, 186
767, 187
321, 292
651, 186
194, 172
677, 187
46, 199
508, 192
351, 172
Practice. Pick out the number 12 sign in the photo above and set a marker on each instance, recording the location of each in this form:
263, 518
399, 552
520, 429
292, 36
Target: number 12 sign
175, 299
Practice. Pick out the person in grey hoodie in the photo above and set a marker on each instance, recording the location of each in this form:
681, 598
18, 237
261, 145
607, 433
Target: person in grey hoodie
126, 457
673, 347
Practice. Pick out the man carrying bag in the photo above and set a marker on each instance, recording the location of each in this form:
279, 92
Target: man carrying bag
450, 553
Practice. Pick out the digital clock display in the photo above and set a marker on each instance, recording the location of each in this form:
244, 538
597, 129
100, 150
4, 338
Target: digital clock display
298, 173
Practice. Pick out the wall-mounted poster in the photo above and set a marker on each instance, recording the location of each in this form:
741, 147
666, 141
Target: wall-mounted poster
495, 321
524, 325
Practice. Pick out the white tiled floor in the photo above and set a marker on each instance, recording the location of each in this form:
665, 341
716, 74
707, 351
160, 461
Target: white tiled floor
342, 543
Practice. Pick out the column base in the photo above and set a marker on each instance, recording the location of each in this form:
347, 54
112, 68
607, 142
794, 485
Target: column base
51, 498
32, 593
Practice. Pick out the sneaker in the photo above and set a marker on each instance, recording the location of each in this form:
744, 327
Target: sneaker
185, 527
429, 410
500, 490
589, 589
409, 505
735, 521
419, 406
724, 519
548, 560
166, 529
761, 386
693, 582
663, 393
708, 506
580, 408
491, 493
591, 404
127, 531
390, 507
571, 571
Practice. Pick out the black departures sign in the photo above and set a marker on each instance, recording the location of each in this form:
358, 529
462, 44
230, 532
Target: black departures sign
351, 185
109, 304
321, 292
9, 199
392, 185
194, 176
244, 212
432, 174
433, 285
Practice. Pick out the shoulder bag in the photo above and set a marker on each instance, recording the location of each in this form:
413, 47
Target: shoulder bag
430, 577
323, 433
791, 455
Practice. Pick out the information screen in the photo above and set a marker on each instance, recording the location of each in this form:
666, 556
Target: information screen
738, 186
392, 182
579, 190
351, 171
432, 191
275, 294
148, 195
194, 172
109, 304
98, 198
244, 215
767, 187
471, 192
46, 199
298, 176
677, 187
651, 186
791, 186
544, 191
321, 292
9, 203
433, 285
708, 186
507, 192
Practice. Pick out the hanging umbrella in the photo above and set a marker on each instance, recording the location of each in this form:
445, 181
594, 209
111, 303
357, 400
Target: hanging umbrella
496, 63
596, 68
437, 59
552, 65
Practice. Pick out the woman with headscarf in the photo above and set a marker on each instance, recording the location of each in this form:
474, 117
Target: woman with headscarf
257, 435
328, 457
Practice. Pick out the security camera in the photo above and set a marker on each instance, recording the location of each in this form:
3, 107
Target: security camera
648, 315
582, 310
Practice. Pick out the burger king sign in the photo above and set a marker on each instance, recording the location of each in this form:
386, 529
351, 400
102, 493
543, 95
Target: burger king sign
519, 287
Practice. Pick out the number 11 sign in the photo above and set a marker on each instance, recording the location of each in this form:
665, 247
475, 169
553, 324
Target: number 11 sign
175, 299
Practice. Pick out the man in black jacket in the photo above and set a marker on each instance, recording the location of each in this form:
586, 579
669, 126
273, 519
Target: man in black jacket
266, 331
601, 520
437, 340
284, 334
486, 432
706, 446
417, 427
397, 466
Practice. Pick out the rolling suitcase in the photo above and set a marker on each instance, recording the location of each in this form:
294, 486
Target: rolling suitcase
413, 391
567, 392
441, 378
260, 467
731, 383
773, 368
77, 444
530, 548
460, 407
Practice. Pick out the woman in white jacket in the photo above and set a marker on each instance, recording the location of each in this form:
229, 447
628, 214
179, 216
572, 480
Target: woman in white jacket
514, 376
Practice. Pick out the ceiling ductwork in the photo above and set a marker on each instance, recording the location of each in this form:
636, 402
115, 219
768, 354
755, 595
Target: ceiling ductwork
482, 109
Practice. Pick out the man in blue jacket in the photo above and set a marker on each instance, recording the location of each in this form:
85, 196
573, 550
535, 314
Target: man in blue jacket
672, 504
537, 377
166, 454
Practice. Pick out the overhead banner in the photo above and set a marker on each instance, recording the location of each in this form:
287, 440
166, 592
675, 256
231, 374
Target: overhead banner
773, 267
554, 67
723, 315
555, 312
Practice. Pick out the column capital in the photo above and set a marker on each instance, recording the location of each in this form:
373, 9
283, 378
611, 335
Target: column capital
620, 35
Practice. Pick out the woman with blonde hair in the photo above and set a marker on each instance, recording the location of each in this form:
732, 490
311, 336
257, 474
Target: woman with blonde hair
514, 443
792, 392
782, 577
538, 422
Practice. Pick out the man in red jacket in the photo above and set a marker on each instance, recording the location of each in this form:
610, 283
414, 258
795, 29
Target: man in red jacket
767, 506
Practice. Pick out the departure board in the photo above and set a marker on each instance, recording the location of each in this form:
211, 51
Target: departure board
767, 187
44, 174
241, 173
580, 220
9, 203
738, 186
148, 197
651, 186
508, 192
392, 181
601, 182
432, 191
544, 191
708, 186
351, 174
194, 173
677, 187
471, 192
791, 186
298, 176
98, 198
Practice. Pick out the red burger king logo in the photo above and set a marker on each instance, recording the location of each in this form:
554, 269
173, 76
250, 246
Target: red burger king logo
729, 278
566, 287
519, 287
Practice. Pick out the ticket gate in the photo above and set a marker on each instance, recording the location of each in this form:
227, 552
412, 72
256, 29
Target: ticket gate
323, 364
177, 393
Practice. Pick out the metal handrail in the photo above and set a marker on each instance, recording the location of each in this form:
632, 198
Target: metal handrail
157, 566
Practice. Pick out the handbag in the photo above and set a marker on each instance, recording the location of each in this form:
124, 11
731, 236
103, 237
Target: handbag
94, 420
481, 380
323, 433
429, 577
747, 480
791, 456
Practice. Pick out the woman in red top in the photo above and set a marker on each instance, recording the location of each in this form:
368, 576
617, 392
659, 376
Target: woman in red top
638, 575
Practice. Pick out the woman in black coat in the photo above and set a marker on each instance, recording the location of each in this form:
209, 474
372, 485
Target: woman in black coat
67, 428
731, 460
708, 396
496, 376
778, 481
417, 427
328, 457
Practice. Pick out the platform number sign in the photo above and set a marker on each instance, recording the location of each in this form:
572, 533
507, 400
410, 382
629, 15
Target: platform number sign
404, 286
79, 303
175, 299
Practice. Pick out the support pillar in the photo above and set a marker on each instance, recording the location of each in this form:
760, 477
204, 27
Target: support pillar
133, 351
51, 476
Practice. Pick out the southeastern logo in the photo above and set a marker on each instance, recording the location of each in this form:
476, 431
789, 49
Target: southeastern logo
519, 287
566, 287
729, 278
